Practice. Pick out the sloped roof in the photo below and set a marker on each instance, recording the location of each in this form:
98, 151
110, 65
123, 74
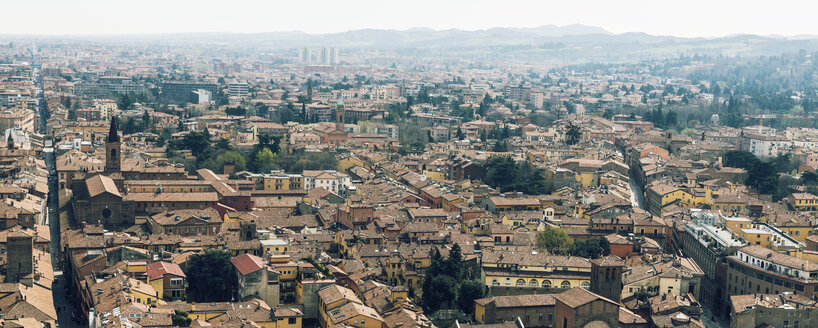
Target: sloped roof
157, 270
99, 184
247, 263
576, 297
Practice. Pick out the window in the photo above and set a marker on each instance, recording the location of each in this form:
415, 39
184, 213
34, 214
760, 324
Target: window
565, 284
586, 285
291, 321
176, 281
533, 283
786, 324
520, 283
546, 283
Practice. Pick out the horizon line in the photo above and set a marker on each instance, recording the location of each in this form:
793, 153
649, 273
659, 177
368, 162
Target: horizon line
603, 31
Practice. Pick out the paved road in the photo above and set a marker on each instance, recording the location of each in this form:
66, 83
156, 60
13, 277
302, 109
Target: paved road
61, 297
709, 321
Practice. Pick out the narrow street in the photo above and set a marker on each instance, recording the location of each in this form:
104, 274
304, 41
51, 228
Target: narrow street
61, 300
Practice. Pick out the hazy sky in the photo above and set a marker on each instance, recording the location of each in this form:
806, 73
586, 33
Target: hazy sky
663, 17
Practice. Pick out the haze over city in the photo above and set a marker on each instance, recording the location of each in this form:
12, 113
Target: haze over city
697, 18
408, 164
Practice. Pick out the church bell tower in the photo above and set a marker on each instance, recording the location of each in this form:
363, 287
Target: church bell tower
339, 115
113, 155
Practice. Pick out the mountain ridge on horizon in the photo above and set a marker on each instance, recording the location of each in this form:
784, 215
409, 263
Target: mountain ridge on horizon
574, 43
546, 30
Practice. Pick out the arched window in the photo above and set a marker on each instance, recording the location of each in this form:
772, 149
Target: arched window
565, 284
520, 283
494, 282
586, 285
533, 283
113, 153
546, 283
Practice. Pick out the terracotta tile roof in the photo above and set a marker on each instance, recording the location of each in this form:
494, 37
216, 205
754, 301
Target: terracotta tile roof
209, 215
248, 263
334, 293
519, 300
779, 258
502, 201
172, 197
609, 261
157, 270
99, 184
351, 310
576, 297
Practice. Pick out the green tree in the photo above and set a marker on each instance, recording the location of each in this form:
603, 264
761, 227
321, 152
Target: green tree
230, 157
196, 142
642, 295
553, 239
809, 178
440, 293
500, 172
500, 146
269, 142
181, 319
236, 111
124, 102
210, 277
223, 144
470, 290
591, 248
264, 160
454, 264
739, 158
147, 121
572, 134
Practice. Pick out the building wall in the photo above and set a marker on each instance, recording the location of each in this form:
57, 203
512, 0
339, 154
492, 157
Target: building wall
511, 281
622, 250
775, 317
532, 316
307, 295
591, 313
257, 284
743, 278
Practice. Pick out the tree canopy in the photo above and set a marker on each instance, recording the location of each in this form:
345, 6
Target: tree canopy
502, 173
553, 239
449, 284
210, 277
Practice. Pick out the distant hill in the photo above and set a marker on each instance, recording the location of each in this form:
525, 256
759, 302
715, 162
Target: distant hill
544, 44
